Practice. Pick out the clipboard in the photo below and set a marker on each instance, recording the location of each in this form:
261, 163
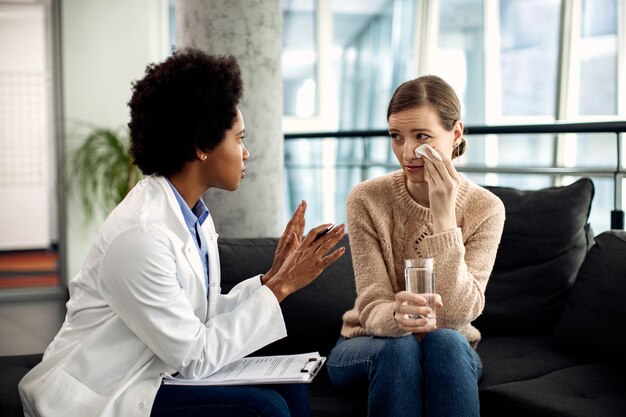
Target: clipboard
313, 365
259, 370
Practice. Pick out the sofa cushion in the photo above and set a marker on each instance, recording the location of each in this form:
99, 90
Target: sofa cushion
313, 314
580, 391
595, 313
325, 401
515, 358
12, 370
543, 244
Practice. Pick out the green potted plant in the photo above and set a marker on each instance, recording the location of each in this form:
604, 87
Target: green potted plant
101, 170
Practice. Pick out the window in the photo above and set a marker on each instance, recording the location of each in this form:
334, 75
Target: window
459, 57
529, 51
511, 62
369, 54
299, 59
598, 58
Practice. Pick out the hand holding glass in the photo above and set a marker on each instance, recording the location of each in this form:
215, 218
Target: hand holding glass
419, 278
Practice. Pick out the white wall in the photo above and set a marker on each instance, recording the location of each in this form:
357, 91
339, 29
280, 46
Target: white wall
105, 46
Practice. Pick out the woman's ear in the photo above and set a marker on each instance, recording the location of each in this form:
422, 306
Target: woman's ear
458, 133
201, 155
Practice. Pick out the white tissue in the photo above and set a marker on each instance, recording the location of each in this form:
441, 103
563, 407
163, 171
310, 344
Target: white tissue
420, 151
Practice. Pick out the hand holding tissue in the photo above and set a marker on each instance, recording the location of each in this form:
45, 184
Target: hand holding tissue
420, 151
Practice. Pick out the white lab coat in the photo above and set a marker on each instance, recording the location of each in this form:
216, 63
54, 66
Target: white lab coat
138, 308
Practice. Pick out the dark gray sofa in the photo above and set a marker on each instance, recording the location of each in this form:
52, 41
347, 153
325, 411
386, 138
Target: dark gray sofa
552, 327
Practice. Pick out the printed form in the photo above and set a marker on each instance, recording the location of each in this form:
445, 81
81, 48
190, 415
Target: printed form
255, 370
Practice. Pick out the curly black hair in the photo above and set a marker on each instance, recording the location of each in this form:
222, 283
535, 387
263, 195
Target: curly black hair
185, 103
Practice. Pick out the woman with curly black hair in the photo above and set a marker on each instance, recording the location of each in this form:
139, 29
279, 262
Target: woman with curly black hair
147, 300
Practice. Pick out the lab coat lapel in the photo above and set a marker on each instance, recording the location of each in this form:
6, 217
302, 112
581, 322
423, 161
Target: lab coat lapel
190, 252
208, 228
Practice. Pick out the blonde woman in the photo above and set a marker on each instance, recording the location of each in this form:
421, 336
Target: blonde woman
425, 209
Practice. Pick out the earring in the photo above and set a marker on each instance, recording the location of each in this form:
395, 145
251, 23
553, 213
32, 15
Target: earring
458, 149
204, 157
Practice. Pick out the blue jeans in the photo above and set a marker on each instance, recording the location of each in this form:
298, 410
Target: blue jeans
435, 377
285, 400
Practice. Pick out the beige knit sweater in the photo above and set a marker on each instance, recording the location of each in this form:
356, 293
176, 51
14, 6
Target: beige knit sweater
386, 226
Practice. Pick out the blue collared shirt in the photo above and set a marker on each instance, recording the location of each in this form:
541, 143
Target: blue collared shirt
194, 218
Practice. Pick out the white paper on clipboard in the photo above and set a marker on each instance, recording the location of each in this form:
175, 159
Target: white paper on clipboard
287, 369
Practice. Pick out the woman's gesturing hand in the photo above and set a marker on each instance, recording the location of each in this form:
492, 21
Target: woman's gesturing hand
305, 261
289, 241
443, 184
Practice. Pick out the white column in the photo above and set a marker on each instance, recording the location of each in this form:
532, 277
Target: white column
250, 30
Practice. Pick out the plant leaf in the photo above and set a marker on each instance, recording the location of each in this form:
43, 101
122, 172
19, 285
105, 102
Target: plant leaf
101, 171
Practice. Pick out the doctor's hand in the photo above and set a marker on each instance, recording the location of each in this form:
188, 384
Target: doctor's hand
306, 260
289, 241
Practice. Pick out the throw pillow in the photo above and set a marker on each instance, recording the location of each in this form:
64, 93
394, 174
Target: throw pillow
595, 312
543, 244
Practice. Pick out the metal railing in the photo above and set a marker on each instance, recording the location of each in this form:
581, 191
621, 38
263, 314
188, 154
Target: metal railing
617, 173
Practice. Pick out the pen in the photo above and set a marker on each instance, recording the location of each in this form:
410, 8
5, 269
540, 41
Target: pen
323, 232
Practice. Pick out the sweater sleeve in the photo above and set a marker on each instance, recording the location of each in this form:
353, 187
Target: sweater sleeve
375, 293
464, 260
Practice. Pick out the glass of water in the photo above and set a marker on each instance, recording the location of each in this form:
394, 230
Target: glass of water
419, 278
